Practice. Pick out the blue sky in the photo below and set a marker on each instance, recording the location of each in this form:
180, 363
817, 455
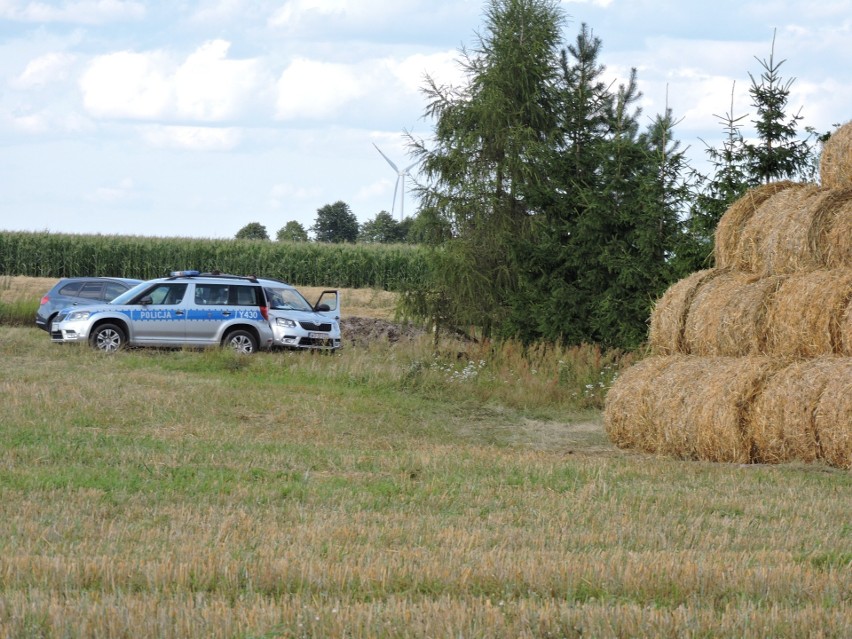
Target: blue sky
195, 117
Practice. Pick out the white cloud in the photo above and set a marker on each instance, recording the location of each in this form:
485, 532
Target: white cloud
192, 138
219, 10
282, 194
44, 70
48, 121
205, 87
127, 85
443, 67
123, 191
81, 12
210, 87
311, 89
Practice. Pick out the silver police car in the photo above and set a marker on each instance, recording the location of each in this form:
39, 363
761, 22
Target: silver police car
186, 309
298, 324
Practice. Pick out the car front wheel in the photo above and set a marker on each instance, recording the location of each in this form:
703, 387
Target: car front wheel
107, 338
242, 342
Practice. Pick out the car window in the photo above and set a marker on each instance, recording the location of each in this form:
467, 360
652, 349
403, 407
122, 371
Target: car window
70, 289
211, 294
248, 296
91, 290
165, 294
286, 299
113, 290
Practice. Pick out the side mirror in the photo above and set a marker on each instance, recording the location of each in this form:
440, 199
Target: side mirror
145, 301
322, 308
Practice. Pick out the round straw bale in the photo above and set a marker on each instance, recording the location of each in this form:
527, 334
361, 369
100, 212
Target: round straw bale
728, 315
833, 418
846, 331
719, 401
838, 237
782, 423
806, 315
668, 318
628, 414
730, 227
835, 165
691, 407
777, 237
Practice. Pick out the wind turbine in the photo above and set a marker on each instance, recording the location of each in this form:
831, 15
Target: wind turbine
400, 178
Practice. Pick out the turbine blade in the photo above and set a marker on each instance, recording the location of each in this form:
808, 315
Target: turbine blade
386, 158
395, 189
410, 166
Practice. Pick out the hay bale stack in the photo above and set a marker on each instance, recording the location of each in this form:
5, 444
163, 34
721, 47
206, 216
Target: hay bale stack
806, 315
689, 407
668, 318
738, 214
833, 418
783, 418
735, 409
752, 360
835, 166
728, 315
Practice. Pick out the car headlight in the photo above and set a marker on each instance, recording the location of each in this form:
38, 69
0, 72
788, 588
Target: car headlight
76, 316
286, 323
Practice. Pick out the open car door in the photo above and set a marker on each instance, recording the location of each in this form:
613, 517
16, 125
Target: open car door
328, 304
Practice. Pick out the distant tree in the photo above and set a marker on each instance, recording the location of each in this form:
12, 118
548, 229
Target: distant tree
335, 223
252, 231
778, 154
740, 164
293, 231
382, 229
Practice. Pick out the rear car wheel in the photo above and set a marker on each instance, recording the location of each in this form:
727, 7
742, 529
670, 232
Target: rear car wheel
107, 338
241, 342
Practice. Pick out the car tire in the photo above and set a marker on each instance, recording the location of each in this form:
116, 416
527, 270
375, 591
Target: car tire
48, 326
241, 342
107, 338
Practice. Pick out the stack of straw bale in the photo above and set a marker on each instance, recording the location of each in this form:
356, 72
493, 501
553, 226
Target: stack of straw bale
752, 359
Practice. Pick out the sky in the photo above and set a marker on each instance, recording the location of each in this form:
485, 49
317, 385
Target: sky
193, 118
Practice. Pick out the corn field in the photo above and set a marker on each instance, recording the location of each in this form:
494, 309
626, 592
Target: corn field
388, 267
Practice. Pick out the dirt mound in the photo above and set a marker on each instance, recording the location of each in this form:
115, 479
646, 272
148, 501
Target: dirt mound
362, 331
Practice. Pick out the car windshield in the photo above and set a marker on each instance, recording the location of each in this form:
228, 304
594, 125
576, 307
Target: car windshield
128, 295
286, 299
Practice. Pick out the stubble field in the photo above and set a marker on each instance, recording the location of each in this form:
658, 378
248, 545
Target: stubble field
386, 491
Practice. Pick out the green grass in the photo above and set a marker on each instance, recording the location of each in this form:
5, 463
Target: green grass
385, 492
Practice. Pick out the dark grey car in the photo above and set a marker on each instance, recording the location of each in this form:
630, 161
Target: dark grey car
79, 291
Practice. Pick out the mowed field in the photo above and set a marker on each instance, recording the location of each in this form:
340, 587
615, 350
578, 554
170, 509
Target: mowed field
390, 490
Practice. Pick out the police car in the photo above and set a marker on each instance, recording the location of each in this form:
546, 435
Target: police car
187, 308
298, 324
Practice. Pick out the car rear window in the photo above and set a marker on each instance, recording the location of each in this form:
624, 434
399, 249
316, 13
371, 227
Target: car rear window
91, 290
71, 289
113, 290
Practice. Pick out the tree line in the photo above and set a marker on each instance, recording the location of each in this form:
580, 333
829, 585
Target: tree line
553, 213
549, 211
336, 223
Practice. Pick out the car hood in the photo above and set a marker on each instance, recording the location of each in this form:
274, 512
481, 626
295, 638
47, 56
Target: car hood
301, 316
